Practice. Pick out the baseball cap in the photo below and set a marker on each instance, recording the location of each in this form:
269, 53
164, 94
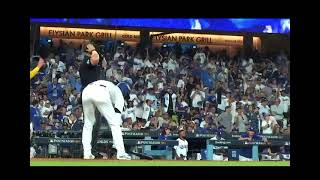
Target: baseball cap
250, 129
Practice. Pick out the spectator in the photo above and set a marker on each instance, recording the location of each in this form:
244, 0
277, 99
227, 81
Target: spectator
264, 108
285, 102
277, 111
35, 115
46, 109
245, 100
181, 82
241, 120
253, 117
225, 119
130, 112
181, 108
197, 96
170, 102
259, 86
119, 52
54, 90
268, 123
75, 124
145, 111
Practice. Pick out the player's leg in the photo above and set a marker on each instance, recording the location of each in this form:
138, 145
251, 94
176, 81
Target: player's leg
114, 121
95, 131
89, 120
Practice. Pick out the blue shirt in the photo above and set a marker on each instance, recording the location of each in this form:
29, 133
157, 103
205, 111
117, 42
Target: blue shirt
247, 151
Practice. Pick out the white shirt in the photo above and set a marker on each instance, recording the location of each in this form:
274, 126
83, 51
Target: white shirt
44, 109
277, 111
130, 113
259, 87
172, 64
224, 102
138, 64
182, 148
264, 109
233, 110
143, 112
117, 55
197, 98
147, 63
285, 102
269, 129
61, 66
202, 124
180, 84
246, 102
135, 99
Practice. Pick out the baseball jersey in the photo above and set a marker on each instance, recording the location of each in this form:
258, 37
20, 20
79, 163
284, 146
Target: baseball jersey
247, 151
182, 148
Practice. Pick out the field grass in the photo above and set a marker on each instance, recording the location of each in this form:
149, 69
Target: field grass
80, 162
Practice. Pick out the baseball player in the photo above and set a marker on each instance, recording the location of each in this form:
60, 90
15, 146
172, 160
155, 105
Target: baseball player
109, 99
181, 149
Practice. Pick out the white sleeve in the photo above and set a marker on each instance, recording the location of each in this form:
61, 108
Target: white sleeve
145, 114
192, 93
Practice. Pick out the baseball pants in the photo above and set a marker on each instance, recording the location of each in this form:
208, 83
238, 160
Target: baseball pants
97, 96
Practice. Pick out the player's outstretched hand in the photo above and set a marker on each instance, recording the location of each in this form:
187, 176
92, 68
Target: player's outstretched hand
41, 62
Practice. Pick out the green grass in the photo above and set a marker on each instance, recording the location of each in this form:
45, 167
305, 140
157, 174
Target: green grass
79, 162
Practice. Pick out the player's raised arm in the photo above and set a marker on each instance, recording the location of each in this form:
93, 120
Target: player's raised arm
35, 71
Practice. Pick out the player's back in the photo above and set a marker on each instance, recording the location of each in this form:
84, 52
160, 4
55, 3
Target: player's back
115, 94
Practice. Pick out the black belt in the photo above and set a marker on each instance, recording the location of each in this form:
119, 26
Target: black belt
98, 84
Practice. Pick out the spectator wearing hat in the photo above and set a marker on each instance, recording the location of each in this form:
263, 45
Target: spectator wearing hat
246, 152
268, 123
225, 119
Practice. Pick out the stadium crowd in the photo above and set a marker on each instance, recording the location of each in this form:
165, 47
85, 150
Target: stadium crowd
194, 89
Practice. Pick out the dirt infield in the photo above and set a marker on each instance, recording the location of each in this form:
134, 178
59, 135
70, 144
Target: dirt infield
104, 162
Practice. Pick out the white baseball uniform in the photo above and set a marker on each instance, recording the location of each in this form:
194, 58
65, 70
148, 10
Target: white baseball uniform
182, 148
106, 97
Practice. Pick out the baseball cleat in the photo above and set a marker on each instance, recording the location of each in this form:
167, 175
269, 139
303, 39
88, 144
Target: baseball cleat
124, 157
89, 157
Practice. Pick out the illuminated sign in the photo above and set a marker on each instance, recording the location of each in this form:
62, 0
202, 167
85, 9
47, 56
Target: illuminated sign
205, 39
84, 33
